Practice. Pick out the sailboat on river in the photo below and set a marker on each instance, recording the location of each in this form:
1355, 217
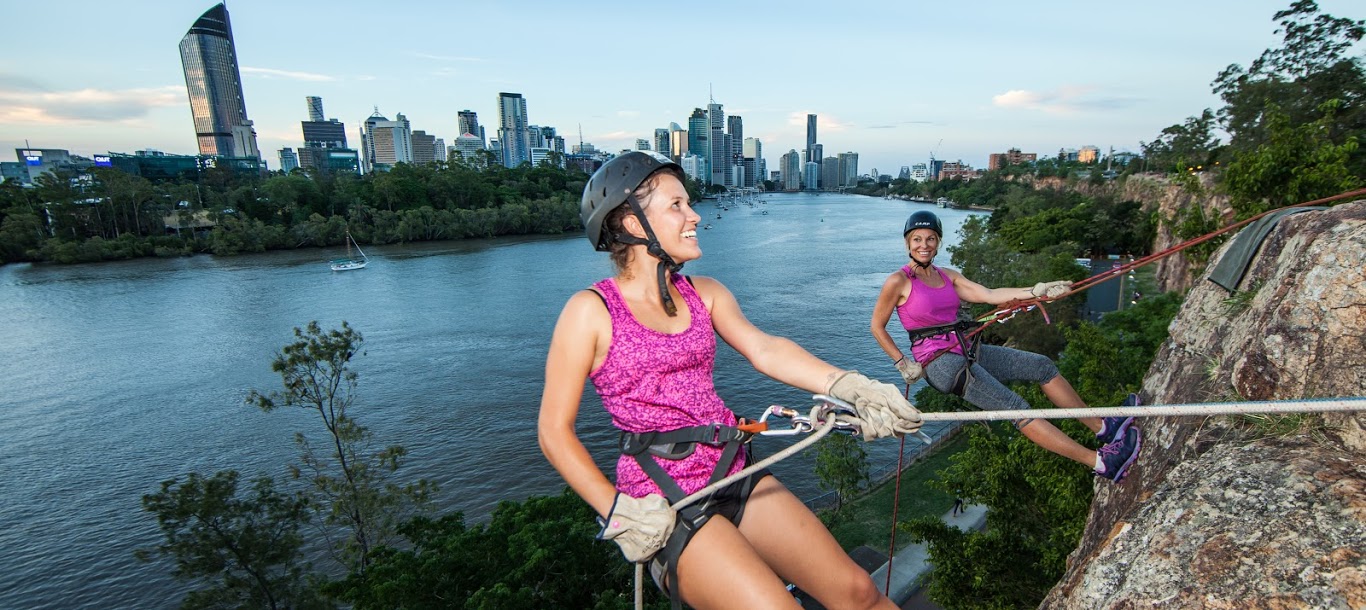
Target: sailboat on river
351, 261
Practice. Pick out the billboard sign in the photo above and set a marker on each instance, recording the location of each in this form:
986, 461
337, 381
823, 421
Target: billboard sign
103, 161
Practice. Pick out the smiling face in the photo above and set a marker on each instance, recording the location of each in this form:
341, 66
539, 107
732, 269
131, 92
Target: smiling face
922, 244
672, 218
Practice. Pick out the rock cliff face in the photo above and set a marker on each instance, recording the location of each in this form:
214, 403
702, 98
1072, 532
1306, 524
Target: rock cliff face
1218, 513
1158, 194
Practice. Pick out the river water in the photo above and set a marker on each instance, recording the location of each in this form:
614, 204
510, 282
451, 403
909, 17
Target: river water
117, 376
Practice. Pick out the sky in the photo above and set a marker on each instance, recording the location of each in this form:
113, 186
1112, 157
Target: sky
894, 81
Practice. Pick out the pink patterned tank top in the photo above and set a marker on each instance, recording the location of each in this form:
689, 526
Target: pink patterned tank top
928, 306
653, 381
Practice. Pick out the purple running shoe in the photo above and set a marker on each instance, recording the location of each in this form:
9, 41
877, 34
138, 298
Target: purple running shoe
1112, 428
1116, 457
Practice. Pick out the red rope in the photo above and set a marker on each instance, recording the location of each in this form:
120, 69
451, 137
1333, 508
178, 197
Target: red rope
896, 501
1000, 315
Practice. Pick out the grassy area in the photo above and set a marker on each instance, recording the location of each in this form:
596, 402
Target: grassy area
868, 519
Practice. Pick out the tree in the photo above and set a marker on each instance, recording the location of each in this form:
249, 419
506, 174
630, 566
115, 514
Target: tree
352, 488
1296, 163
244, 547
1184, 146
1310, 68
841, 466
541, 553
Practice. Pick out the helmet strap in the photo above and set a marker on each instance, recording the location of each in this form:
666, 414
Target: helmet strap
653, 247
921, 265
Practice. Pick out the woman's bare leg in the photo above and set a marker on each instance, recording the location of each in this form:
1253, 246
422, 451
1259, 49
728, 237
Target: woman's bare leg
1062, 395
799, 548
719, 570
1048, 436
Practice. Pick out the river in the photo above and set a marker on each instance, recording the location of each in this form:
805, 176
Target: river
117, 376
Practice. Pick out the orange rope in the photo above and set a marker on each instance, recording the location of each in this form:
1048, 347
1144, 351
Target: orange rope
896, 501
1004, 312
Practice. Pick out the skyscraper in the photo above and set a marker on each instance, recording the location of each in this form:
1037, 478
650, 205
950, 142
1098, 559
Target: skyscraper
698, 137
512, 129
661, 141
315, 107
718, 155
324, 146
214, 83
384, 143
811, 154
735, 128
469, 124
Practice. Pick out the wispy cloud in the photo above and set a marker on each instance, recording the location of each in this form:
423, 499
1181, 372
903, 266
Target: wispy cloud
628, 114
1064, 100
616, 135
85, 105
269, 73
435, 57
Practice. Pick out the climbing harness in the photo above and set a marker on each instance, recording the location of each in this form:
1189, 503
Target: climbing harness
968, 340
826, 415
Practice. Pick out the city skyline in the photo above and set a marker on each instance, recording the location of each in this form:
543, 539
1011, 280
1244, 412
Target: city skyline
892, 83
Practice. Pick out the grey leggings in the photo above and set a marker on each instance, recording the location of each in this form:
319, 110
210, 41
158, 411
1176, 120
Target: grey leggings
995, 364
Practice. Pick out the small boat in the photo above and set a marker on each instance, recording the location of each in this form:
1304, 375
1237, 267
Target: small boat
350, 262
708, 226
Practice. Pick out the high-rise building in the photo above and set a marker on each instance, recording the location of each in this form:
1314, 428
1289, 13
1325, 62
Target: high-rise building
811, 176
424, 148
678, 142
735, 129
661, 140
753, 151
848, 169
699, 136
512, 129
811, 140
642, 144
718, 157
384, 143
325, 146
288, 160
214, 83
830, 173
469, 124
791, 168
315, 107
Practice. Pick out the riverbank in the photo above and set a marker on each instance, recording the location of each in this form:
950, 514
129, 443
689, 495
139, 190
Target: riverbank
867, 519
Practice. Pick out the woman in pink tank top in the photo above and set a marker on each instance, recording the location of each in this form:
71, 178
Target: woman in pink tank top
646, 339
925, 296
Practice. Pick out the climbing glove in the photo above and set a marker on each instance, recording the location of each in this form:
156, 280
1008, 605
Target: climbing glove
910, 370
881, 409
640, 526
1049, 290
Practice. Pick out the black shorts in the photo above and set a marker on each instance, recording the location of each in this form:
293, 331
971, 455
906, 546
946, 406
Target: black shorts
728, 502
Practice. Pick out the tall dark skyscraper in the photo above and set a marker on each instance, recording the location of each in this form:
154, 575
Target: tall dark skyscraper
811, 155
214, 83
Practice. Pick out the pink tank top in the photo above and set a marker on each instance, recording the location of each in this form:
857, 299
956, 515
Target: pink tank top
657, 381
928, 306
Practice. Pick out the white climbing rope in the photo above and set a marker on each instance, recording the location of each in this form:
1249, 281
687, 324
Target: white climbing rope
1310, 405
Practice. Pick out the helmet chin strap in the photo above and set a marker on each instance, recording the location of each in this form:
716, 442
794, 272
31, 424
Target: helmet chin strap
920, 264
652, 246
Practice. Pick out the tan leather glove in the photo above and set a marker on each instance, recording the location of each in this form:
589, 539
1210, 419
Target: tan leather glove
1050, 290
640, 526
910, 370
881, 408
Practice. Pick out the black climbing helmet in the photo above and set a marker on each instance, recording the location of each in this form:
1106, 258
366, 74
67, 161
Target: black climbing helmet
612, 184
924, 219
